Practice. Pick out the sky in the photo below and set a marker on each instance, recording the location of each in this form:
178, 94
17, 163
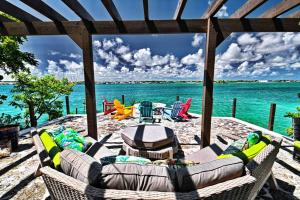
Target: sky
246, 56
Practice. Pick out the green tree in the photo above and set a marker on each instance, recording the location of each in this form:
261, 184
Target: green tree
12, 60
43, 93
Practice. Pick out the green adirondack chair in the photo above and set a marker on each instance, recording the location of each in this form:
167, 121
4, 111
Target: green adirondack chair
146, 111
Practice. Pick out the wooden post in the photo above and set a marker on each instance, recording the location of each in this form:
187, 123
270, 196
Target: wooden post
67, 105
208, 80
177, 98
33, 122
233, 107
123, 99
272, 116
89, 81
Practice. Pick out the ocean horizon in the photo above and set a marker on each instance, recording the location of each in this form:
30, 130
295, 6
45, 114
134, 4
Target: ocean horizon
253, 99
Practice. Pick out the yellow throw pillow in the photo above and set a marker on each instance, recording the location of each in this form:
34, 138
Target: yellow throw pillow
52, 148
251, 152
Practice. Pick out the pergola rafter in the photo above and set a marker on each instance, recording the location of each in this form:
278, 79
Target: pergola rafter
217, 30
214, 8
247, 8
294, 15
45, 10
280, 8
17, 12
79, 9
146, 9
112, 10
179, 9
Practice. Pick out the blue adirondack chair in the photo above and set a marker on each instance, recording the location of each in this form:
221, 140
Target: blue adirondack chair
172, 113
146, 111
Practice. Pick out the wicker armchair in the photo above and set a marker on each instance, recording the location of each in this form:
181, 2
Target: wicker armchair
61, 186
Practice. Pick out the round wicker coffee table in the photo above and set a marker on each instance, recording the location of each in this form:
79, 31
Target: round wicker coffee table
149, 141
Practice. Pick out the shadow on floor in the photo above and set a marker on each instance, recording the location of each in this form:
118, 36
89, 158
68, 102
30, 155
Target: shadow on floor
13, 191
16, 163
285, 192
288, 167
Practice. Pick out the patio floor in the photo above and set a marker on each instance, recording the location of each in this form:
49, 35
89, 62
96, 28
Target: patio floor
17, 179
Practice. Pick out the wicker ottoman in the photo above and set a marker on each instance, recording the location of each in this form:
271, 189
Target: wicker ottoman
149, 141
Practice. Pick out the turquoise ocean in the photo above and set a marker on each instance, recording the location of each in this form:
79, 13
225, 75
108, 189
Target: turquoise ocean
253, 99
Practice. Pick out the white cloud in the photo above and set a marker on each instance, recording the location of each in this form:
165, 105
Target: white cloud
74, 55
246, 39
193, 59
54, 69
222, 12
122, 50
197, 39
119, 40
97, 43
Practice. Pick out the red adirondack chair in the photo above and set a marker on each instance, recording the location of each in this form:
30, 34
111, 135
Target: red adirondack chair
184, 109
108, 107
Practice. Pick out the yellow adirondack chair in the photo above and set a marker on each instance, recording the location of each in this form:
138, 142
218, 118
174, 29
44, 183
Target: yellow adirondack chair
122, 111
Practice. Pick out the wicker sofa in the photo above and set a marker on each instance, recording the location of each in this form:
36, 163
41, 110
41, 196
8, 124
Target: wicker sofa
62, 186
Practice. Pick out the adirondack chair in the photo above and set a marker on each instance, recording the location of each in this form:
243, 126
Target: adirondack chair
122, 111
108, 107
183, 113
172, 113
146, 111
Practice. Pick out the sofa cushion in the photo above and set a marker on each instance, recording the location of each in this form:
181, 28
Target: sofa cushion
51, 147
206, 154
148, 136
138, 177
210, 173
80, 166
98, 151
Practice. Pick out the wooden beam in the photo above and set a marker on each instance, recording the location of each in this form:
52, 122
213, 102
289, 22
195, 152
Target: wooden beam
259, 25
146, 9
208, 80
16, 12
294, 15
89, 80
79, 9
45, 10
213, 8
247, 8
112, 10
179, 10
225, 26
105, 27
280, 8
52, 14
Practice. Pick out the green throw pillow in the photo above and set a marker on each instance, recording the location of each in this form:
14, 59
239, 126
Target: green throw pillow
253, 138
297, 144
251, 152
51, 147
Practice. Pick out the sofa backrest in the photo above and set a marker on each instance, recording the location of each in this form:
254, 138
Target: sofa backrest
261, 165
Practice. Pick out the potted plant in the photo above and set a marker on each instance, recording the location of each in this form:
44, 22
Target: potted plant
296, 123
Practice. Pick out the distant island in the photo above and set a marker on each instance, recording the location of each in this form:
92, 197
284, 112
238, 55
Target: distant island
190, 82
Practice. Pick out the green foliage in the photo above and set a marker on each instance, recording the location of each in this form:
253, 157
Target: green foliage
290, 131
12, 59
6, 119
293, 114
43, 93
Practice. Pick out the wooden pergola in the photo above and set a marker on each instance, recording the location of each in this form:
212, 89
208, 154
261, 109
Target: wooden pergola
216, 29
